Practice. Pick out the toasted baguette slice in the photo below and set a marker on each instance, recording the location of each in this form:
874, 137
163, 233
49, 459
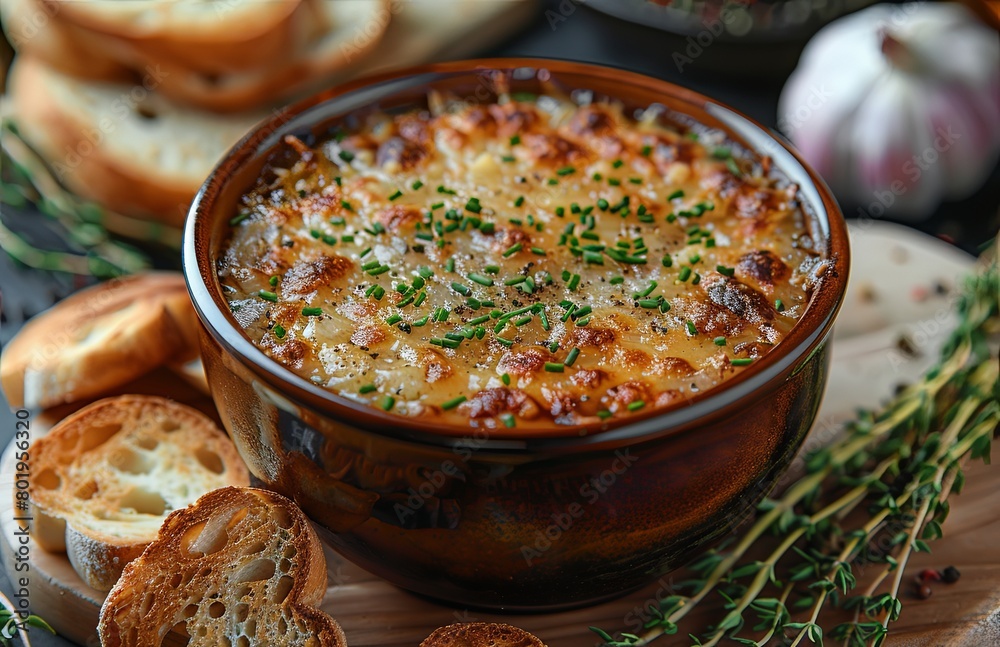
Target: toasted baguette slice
216, 36
481, 634
241, 566
124, 146
105, 478
350, 31
99, 339
36, 29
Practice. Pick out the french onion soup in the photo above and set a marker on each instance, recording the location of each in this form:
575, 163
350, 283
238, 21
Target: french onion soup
523, 263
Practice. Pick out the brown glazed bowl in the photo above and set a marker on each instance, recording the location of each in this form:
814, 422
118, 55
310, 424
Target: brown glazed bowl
497, 518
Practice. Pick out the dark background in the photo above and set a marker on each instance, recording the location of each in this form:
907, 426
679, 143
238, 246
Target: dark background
747, 77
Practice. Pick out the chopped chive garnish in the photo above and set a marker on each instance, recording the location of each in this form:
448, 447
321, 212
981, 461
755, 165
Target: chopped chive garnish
393, 319
473, 205
268, 295
329, 240
480, 279
505, 378
396, 194
741, 361
450, 265
347, 156
312, 312
554, 367
649, 303
617, 163
507, 159
416, 184
370, 265
491, 269
571, 357
691, 328
604, 414
720, 341
422, 321
508, 419
617, 280
613, 181
367, 388
727, 271
387, 402
694, 258
566, 170
538, 250
646, 150
519, 201
552, 181
636, 405
237, 219
425, 272
347, 205
279, 331
697, 279
602, 204
315, 233
379, 292
582, 312
574, 281
347, 238
445, 190
597, 177
668, 261
594, 258
664, 306
513, 249
381, 269
685, 274
515, 280
515, 140
461, 289
273, 281
479, 320
522, 321
454, 402
779, 305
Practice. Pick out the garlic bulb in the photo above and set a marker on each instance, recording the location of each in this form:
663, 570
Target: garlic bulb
898, 106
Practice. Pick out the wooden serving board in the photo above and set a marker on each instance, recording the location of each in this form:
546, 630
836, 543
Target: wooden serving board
866, 368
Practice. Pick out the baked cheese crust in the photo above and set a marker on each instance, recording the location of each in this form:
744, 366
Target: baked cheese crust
524, 263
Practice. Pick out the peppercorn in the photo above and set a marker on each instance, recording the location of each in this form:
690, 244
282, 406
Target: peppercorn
950, 575
923, 591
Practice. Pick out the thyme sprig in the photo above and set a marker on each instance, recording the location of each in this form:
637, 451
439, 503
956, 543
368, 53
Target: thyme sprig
885, 481
28, 180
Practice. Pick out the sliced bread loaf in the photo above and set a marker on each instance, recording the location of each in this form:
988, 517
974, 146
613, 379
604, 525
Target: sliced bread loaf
481, 634
212, 36
105, 478
99, 339
241, 566
122, 145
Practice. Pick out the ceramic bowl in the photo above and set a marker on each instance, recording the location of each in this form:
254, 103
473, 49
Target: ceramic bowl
499, 518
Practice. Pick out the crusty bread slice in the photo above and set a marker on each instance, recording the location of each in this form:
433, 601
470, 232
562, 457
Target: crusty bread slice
39, 30
105, 478
98, 339
124, 146
212, 36
351, 30
241, 566
481, 634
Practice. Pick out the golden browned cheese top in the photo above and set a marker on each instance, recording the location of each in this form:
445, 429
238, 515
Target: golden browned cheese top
517, 264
